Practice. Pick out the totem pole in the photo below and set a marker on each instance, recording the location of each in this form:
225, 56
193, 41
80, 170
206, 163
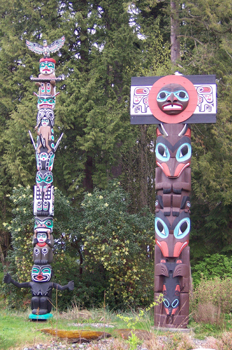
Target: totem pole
45, 147
173, 102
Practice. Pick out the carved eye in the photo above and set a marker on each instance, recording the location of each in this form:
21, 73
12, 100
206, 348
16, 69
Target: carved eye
184, 152
35, 270
161, 228
163, 95
48, 179
182, 229
182, 95
162, 152
175, 303
166, 303
46, 270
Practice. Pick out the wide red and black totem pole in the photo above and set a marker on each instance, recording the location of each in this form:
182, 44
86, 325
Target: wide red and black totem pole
45, 148
173, 102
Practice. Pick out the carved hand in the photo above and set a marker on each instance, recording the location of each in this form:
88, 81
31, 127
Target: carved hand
71, 285
7, 279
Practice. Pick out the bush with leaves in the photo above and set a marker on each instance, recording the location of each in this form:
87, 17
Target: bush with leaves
216, 265
121, 244
212, 300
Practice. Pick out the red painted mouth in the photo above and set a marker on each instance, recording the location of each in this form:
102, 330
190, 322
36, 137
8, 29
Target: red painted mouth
39, 277
172, 107
46, 105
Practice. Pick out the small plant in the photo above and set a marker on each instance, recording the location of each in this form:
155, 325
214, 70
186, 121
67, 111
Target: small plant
133, 341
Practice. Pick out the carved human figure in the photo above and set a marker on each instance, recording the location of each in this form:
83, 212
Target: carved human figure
41, 288
47, 76
45, 135
42, 252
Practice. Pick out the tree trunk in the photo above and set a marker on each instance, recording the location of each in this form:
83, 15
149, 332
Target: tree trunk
175, 44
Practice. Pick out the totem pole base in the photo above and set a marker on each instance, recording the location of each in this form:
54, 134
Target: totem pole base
45, 317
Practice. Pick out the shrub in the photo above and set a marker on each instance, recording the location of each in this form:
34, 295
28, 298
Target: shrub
121, 244
212, 299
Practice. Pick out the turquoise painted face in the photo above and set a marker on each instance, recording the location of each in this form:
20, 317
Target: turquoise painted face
41, 273
41, 237
172, 99
46, 102
44, 178
47, 67
43, 225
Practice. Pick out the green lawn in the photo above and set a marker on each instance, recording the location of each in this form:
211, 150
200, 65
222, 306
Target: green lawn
17, 331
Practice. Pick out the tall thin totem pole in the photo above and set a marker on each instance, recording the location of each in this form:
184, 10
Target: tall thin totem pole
45, 147
173, 102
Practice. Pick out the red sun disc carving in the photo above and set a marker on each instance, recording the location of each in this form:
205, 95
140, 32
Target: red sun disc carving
181, 117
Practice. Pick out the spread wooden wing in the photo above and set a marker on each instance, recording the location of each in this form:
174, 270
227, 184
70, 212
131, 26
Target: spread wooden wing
35, 47
57, 44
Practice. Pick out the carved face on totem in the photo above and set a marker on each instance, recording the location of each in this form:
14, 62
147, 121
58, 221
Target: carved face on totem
43, 225
44, 178
171, 291
172, 99
42, 237
173, 158
173, 149
47, 66
45, 114
46, 102
41, 273
172, 233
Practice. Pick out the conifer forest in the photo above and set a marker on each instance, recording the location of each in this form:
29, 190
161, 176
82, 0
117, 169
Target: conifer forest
104, 172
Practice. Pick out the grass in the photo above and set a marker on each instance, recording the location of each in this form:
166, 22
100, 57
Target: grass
17, 331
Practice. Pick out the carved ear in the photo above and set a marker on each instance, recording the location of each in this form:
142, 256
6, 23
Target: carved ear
161, 270
181, 270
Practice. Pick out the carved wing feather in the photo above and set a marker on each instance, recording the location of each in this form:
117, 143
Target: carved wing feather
161, 270
37, 48
57, 44
181, 270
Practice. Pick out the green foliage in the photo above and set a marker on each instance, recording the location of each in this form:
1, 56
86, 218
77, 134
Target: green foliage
133, 341
121, 243
216, 265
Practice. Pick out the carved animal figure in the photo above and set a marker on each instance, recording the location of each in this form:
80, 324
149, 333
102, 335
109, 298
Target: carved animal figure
46, 49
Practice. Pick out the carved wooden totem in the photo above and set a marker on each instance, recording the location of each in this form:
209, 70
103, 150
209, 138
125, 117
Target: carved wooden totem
173, 102
45, 147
